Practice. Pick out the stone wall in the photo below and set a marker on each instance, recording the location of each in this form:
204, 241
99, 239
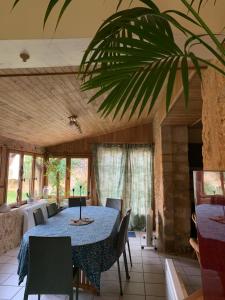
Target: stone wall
171, 180
213, 119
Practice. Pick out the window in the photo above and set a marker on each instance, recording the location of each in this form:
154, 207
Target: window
25, 176
66, 175
79, 176
27, 179
13, 177
214, 183
38, 177
56, 172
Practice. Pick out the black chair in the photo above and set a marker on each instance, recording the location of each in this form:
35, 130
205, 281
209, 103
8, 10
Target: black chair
114, 203
120, 246
38, 217
52, 209
50, 267
75, 201
128, 244
118, 205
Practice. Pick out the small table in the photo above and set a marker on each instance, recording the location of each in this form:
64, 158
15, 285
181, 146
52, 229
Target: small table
92, 245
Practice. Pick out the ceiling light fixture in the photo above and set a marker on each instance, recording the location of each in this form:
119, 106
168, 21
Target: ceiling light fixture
24, 55
74, 122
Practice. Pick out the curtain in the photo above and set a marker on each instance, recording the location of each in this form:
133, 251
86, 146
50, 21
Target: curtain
137, 192
109, 167
125, 171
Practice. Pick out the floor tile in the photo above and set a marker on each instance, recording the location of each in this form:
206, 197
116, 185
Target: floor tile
131, 297
13, 252
136, 259
151, 260
114, 297
3, 277
149, 253
154, 278
13, 260
13, 280
155, 298
113, 275
4, 259
136, 253
19, 296
110, 287
8, 268
134, 277
153, 268
155, 289
7, 292
134, 288
136, 268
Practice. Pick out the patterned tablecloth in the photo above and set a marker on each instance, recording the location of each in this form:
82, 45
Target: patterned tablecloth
92, 245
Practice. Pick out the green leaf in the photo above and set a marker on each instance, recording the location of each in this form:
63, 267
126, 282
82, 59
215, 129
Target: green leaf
15, 3
64, 7
171, 81
50, 7
196, 64
185, 79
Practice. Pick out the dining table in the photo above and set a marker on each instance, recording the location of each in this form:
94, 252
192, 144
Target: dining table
93, 245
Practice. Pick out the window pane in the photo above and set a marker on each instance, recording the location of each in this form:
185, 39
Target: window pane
79, 176
13, 177
27, 175
56, 170
213, 183
38, 177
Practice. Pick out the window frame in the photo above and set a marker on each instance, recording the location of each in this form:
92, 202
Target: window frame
20, 185
68, 169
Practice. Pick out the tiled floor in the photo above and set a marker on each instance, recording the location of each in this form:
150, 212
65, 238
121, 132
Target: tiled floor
147, 280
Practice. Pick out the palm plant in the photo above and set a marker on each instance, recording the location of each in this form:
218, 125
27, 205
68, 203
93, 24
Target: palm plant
134, 55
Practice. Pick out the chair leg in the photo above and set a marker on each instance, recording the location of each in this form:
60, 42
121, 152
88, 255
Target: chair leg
71, 296
118, 265
78, 283
39, 296
128, 245
25, 297
126, 265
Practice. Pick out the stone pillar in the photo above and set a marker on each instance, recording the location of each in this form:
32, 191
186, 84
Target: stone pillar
172, 198
213, 120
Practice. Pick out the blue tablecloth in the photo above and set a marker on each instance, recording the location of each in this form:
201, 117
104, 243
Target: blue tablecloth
92, 245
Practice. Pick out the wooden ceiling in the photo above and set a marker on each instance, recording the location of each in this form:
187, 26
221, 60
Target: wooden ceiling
179, 114
36, 103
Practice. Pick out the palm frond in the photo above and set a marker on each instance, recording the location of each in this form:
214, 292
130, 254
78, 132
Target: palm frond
134, 55
136, 68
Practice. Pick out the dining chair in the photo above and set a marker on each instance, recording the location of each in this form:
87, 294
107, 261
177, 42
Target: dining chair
38, 217
114, 203
75, 201
120, 246
52, 209
118, 205
50, 267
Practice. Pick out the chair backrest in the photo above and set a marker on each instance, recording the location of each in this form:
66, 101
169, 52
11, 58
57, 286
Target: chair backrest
52, 209
50, 265
114, 203
38, 217
122, 233
75, 201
